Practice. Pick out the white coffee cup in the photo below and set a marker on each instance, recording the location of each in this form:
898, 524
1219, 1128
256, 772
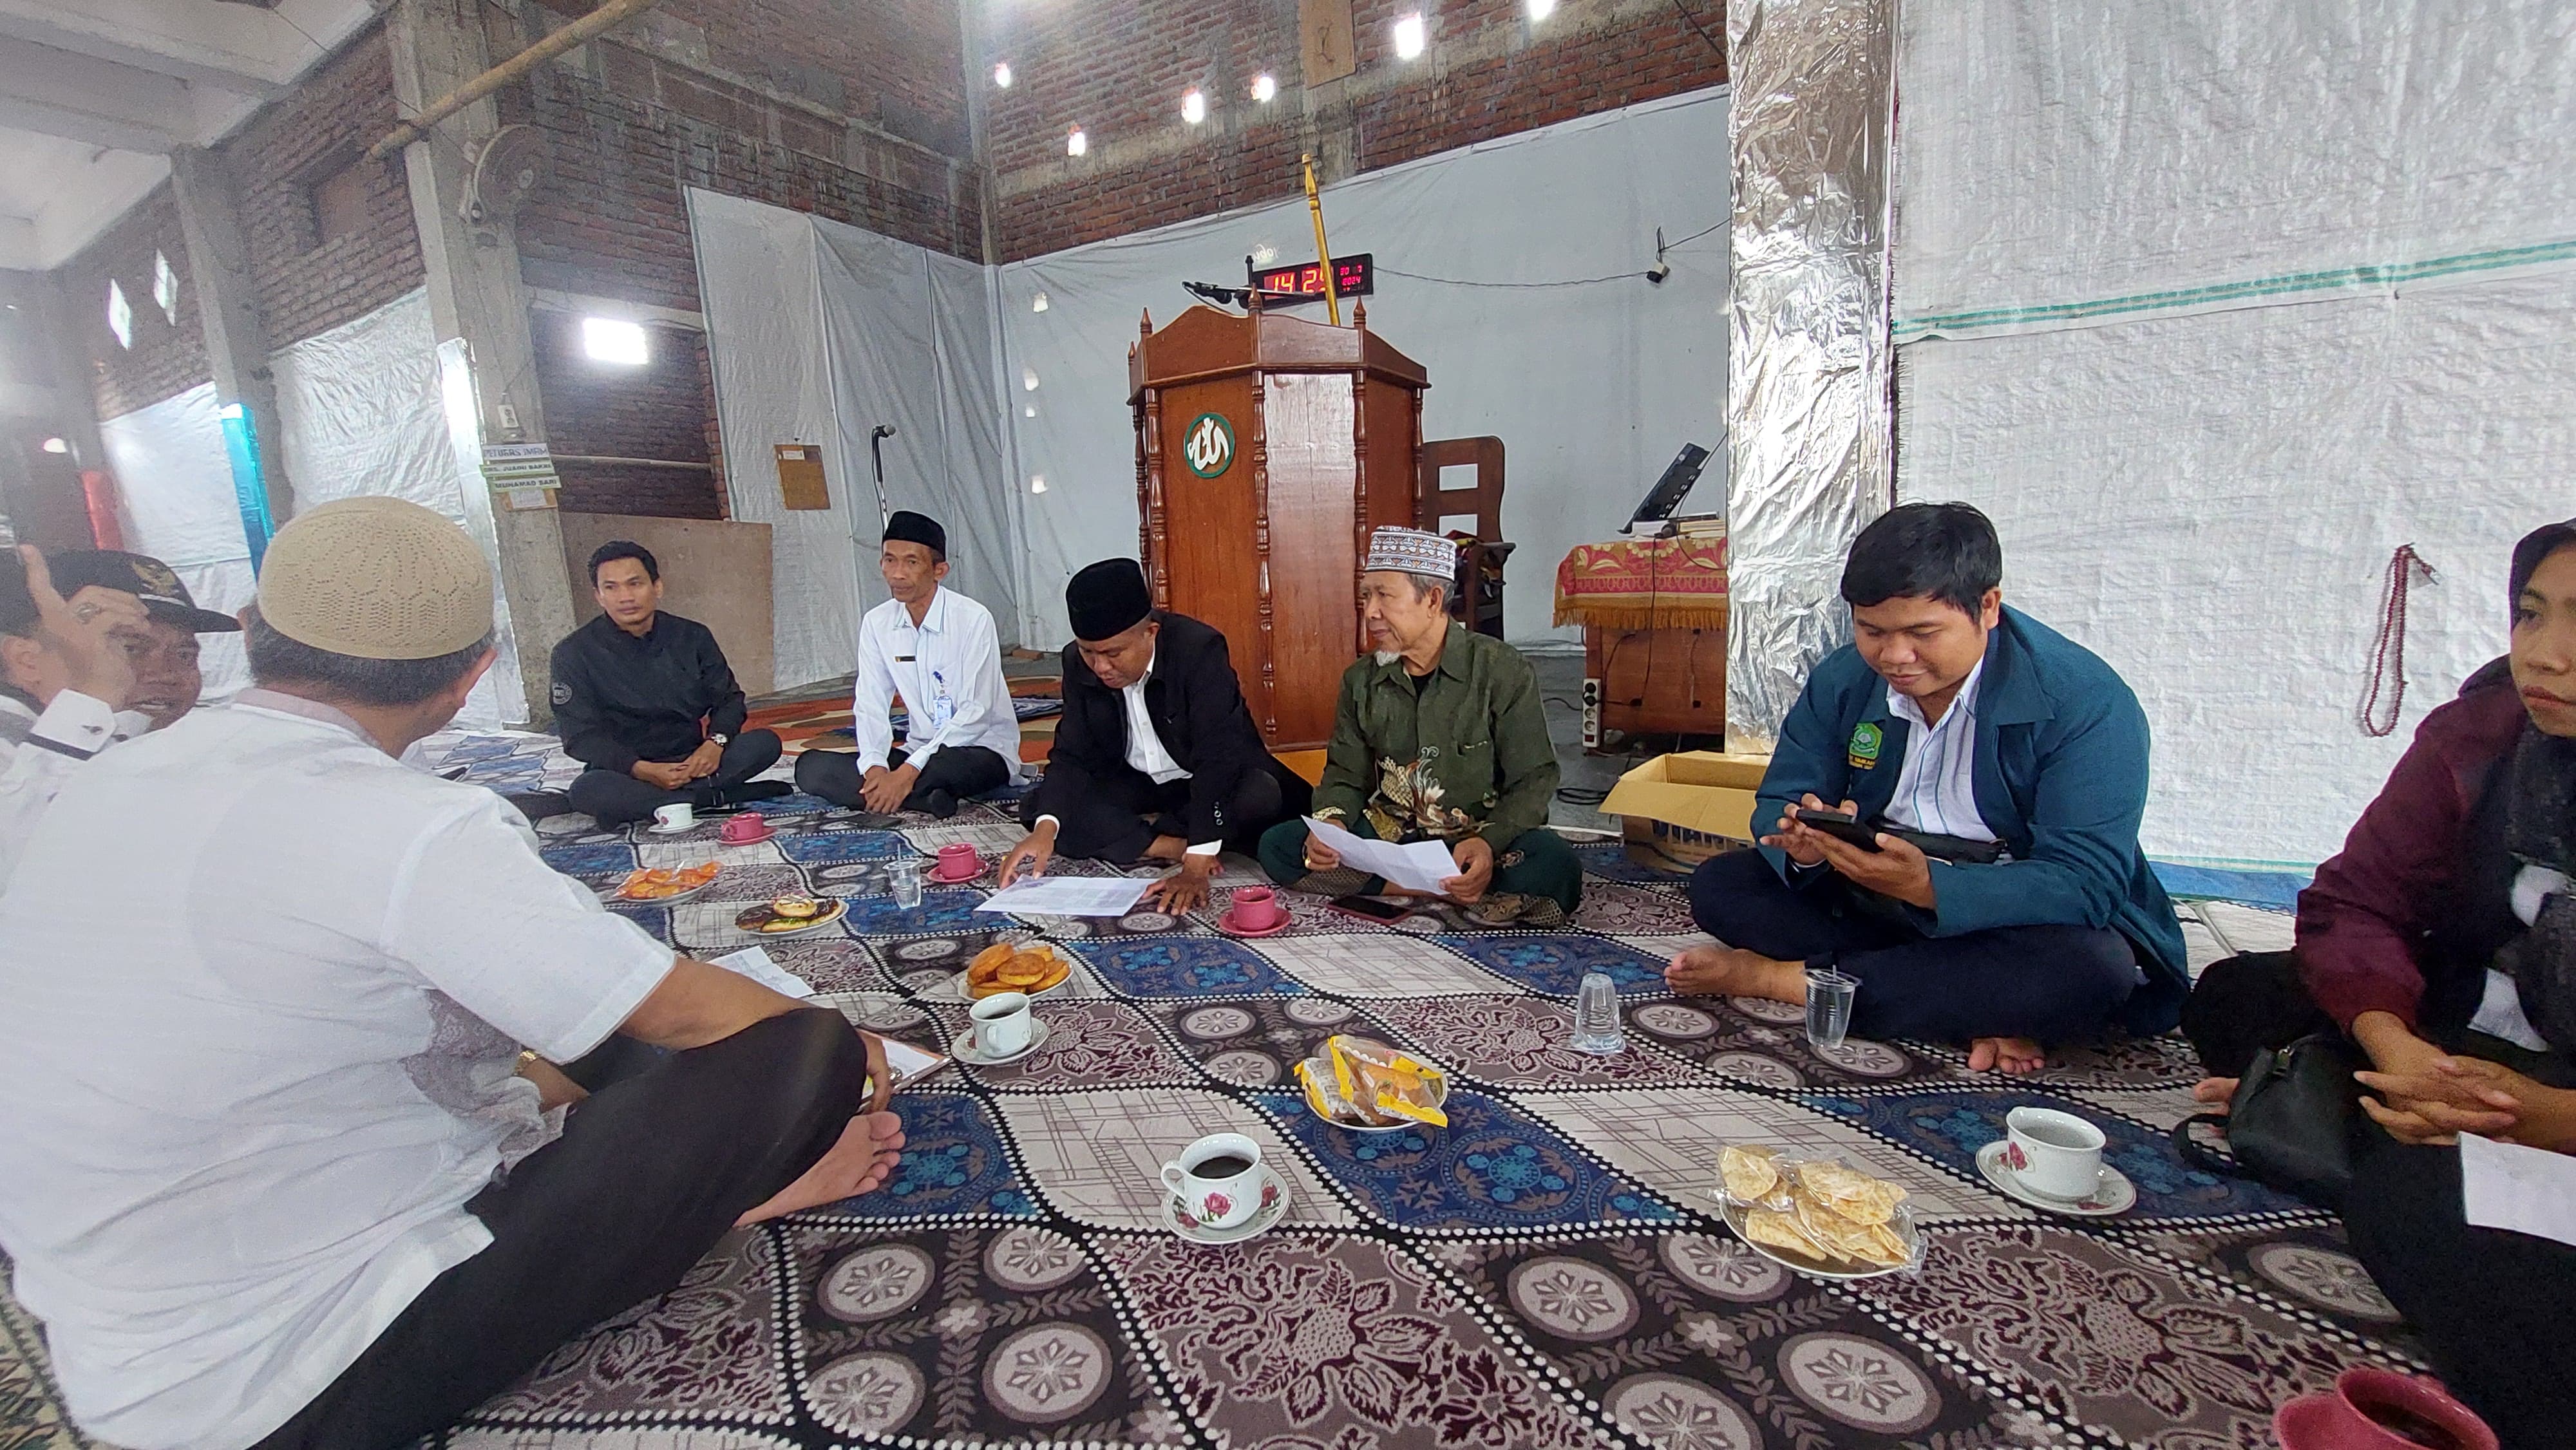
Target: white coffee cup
677, 816
1002, 1024
1220, 1200
2053, 1154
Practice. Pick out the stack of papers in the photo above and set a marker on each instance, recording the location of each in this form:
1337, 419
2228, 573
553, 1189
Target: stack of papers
1420, 866
1067, 896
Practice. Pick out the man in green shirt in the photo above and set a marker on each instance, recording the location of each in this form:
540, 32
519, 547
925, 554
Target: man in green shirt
1438, 736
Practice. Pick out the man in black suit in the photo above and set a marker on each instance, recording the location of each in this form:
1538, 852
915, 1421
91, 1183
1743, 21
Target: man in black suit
1156, 757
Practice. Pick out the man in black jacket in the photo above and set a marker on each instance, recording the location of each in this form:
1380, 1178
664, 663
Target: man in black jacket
646, 700
1156, 756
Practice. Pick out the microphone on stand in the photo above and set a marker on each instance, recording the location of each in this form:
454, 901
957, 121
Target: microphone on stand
876, 456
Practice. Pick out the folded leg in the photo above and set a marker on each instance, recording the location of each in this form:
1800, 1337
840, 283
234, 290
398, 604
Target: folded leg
651, 1171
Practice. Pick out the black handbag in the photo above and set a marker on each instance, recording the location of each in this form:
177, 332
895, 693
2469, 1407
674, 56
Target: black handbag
2290, 1124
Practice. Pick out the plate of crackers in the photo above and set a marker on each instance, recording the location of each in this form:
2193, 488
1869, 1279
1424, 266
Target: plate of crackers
1819, 1216
788, 915
665, 883
1033, 967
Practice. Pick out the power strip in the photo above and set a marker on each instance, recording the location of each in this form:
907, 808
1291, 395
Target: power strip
1591, 713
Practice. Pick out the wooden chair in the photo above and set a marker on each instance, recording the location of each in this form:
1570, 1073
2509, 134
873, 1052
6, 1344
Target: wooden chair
1479, 603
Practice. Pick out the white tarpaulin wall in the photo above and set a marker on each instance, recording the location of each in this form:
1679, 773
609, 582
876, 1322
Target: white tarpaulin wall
359, 412
911, 345
175, 501
2213, 306
1592, 388
818, 333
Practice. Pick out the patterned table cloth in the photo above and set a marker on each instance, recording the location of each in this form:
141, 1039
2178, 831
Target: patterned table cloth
1547, 1271
1670, 583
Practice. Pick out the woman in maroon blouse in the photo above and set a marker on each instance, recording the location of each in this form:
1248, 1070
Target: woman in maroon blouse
2443, 942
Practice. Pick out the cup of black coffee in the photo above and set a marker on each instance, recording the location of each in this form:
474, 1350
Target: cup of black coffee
1217, 1179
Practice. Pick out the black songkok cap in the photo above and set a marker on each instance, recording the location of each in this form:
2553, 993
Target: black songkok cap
1107, 599
912, 528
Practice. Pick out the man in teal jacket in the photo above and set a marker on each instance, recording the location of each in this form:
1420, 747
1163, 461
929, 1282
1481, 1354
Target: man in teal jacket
1951, 716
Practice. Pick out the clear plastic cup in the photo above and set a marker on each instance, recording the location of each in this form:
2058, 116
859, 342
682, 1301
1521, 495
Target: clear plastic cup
903, 878
1596, 1017
1829, 1007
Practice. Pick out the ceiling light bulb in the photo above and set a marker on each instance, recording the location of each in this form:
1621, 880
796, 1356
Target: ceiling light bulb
1029, 379
1193, 106
1075, 143
1264, 87
1037, 483
1541, 9
1409, 37
1002, 74
56, 445
1038, 303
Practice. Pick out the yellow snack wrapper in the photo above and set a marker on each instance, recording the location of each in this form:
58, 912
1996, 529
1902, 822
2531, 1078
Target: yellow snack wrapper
1399, 1087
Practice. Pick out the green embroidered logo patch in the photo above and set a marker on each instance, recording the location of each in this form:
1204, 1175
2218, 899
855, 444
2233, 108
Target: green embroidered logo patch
1865, 740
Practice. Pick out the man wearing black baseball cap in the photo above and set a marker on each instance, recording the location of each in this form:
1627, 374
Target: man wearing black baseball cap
64, 673
166, 678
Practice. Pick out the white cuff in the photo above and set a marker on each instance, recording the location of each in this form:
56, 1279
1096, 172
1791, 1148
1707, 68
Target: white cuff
1208, 848
75, 724
1047, 820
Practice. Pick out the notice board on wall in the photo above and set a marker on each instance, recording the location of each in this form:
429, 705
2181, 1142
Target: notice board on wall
800, 477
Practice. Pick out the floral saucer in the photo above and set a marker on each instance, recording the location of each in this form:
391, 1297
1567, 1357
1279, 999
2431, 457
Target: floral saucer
1275, 1195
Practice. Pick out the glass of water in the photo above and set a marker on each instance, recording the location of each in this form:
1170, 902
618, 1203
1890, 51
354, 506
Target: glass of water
1829, 1007
1596, 1017
903, 878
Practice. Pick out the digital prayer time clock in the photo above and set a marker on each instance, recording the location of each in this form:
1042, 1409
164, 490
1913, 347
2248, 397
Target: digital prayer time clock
1353, 276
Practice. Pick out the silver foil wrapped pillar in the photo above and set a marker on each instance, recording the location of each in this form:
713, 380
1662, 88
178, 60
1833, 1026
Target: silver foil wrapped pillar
1809, 417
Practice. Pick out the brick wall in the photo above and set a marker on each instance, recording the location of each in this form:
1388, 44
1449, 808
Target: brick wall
849, 110
304, 287
167, 357
1119, 72
655, 411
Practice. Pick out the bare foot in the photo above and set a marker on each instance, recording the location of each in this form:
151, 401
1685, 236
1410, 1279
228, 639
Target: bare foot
2216, 1091
2015, 1055
861, 1161
1734, 972
1166, 848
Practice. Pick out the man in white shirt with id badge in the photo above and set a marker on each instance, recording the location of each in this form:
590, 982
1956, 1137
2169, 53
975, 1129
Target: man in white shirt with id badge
939, 651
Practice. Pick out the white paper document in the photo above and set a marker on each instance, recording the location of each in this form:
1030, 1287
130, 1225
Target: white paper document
1067, 896
2527, 1190
754, 963
1420, 866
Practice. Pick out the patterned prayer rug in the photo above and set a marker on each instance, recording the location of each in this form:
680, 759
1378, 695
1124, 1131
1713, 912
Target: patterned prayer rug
1549, 1270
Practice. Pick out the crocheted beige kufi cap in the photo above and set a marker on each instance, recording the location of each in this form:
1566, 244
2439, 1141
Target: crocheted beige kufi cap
376, 578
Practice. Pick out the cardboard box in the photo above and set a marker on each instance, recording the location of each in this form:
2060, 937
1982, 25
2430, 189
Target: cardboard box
1676, 811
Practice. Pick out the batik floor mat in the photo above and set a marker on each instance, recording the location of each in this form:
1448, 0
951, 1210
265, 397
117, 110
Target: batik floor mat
1549, 1270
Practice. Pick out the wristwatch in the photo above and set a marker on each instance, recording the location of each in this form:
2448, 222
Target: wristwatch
719, 737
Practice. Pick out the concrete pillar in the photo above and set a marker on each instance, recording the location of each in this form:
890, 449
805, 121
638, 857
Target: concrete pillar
479, 307
228, 310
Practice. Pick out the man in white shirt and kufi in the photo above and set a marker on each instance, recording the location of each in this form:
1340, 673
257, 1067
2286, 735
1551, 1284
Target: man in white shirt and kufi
283, 1164
938, 651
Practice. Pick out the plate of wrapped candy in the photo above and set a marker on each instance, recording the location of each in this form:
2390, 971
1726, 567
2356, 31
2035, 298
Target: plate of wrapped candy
1364, 1086
1821, 1217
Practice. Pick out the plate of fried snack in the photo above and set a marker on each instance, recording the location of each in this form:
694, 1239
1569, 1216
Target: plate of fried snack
1819, 1216
665, 883
1033, 967
1365, 1086
788, 915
